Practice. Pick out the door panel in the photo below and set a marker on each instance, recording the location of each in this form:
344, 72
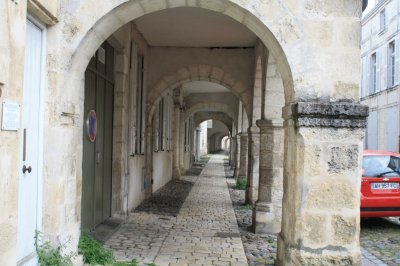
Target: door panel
97, 155
108, 118
28, 181
88, 154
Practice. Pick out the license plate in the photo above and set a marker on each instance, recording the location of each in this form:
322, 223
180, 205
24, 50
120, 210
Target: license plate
384, 185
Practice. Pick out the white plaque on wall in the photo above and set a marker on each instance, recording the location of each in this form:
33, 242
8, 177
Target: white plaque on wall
10, 118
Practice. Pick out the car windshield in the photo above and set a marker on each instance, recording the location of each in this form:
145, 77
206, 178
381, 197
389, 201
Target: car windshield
381, 165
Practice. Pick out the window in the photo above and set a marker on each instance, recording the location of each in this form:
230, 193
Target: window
373, 87
161, 124
139, 146
188, 128
136, 101
391, 64
382, 17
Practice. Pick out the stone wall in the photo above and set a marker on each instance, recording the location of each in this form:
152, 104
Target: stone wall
12, 30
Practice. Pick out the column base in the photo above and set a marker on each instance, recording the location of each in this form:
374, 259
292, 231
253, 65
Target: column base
176, 173
251, 195
264, 220
300, 255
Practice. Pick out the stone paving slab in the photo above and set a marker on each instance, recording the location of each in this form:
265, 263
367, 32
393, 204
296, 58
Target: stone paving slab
380, 240
204, 231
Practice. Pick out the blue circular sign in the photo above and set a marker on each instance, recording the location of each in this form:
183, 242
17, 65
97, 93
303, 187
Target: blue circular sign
91, 125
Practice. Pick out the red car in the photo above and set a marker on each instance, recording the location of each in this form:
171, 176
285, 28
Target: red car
380, 184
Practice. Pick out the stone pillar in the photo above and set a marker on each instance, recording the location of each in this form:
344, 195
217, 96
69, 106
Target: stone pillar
243, 155
268, 212
198, 144
182, 141
253, 164
149, 159
176, 172
237, 156
322, 169
232, 158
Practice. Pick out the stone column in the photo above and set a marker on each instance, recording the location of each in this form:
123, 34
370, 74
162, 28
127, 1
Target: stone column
322, 169
149, 159
243, 155
197, 144
232, 156
237, 156
182, 141
253, 164
176, 172
268, 212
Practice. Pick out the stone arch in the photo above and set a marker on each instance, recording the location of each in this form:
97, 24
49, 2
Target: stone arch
198, 73
111, 16
202, 116
213, 107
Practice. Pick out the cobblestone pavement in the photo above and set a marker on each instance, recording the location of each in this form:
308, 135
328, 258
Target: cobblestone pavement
381, 238
202, 232
259, 250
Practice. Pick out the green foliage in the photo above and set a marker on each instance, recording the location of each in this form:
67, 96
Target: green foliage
48, 255
94, 253
241, 183
248, 207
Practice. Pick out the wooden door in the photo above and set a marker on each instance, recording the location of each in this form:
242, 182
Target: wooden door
28, 195
97, 138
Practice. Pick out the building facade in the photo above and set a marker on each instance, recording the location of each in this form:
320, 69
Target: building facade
380, 55
101, 101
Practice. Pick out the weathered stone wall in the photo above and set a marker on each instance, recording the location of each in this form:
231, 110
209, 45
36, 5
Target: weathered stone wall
12, 44
321, 202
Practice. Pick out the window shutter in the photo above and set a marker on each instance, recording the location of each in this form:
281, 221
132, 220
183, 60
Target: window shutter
165, 108
363, 77
132, 104
378, 71
384, 67
397, 61
368, 75
143, 109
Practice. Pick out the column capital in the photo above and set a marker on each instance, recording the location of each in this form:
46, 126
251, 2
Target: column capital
327, 114
269, 123
254, 129
242, 134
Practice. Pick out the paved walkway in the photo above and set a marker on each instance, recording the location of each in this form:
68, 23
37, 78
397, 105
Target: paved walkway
203, 232
192, 222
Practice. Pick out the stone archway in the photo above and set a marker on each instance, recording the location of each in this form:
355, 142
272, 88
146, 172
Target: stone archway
199, 73
326, 77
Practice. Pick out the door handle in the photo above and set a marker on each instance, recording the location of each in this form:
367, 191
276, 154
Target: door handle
26, 169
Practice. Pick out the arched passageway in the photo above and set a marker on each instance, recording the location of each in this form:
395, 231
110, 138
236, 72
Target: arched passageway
291, 122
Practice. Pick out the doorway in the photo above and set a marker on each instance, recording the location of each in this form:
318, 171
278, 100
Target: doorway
98, 138
29, 196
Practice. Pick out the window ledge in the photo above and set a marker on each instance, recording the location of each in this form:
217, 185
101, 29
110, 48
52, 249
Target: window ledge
383, 31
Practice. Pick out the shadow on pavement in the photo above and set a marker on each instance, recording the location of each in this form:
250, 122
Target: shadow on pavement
168, 200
